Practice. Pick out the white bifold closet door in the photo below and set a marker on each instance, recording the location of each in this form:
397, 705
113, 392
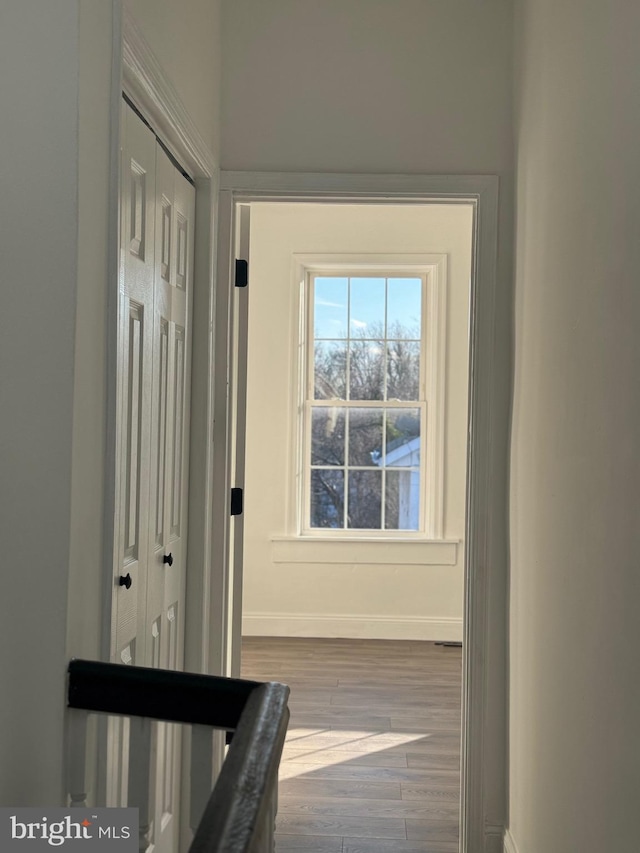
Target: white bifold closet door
154, 344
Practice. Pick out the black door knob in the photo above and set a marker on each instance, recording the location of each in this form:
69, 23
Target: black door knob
168, 558
125, 580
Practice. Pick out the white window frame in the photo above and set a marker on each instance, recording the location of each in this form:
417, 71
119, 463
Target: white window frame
432, 268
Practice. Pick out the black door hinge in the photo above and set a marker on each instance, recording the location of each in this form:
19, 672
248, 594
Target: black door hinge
242, 273
236, 501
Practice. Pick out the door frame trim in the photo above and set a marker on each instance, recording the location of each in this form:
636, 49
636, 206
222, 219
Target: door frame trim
482, 191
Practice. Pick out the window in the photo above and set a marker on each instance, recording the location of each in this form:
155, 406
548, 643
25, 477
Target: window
370, 392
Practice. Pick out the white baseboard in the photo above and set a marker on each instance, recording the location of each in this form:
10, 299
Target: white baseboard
510, 845
351, 626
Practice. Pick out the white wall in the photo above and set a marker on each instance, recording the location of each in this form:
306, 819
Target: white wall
337, 597
367, 85
56, 67
574, 764
409, 86
39, 273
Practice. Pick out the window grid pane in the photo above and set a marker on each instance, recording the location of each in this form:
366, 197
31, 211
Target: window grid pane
372, 338
374, 368
364, 500
327, 498
343, 439
327, 436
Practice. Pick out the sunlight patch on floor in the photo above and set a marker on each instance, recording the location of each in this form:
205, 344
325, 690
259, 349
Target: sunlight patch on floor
309, 751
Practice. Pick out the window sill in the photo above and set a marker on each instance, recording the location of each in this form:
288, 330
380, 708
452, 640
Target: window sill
320, 549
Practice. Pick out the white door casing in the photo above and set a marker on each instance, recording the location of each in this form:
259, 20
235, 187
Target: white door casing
239, 189
238, 412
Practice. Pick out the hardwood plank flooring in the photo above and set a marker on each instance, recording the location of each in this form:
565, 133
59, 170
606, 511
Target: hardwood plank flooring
371, 763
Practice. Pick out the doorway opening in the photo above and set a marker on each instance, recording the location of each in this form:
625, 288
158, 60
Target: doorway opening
355, 498
238, 191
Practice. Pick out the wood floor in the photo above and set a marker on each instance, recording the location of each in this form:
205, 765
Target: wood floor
372, 756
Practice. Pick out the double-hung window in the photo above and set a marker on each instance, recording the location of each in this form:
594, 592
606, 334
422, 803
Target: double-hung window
371, 348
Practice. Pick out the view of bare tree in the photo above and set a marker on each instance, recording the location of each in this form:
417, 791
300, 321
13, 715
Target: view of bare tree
349, 442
